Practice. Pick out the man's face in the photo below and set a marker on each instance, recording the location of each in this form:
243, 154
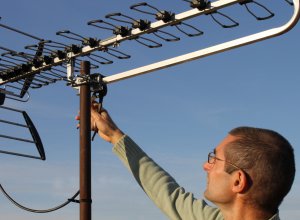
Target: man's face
219, 183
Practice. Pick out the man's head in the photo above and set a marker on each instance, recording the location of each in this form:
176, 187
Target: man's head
259, 161
268, 158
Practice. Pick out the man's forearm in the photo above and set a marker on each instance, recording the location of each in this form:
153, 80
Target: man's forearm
162, 189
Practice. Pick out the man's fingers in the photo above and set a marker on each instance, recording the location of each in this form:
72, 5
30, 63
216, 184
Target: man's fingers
96, 106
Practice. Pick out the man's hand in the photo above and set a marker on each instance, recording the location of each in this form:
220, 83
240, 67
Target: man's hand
104, 125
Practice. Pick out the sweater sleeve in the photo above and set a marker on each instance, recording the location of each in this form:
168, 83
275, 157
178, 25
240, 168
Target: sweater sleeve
161, 188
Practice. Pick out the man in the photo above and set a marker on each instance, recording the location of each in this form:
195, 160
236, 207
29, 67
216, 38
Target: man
248, 174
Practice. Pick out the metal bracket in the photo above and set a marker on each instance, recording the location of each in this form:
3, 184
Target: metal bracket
70, 69
98, 86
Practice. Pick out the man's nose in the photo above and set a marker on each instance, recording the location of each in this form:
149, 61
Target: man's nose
207, 166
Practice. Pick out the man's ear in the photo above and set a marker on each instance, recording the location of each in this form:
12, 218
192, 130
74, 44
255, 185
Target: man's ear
240, 182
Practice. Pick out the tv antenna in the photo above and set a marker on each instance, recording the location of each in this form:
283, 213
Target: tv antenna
48, 62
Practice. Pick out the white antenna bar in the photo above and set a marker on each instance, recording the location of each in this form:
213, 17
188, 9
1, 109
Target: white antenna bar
210, 50
214, 6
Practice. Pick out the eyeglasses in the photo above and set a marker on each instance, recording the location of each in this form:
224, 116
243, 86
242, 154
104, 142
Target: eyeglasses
211, 159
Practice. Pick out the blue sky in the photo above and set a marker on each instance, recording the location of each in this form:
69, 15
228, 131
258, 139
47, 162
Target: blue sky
176, 115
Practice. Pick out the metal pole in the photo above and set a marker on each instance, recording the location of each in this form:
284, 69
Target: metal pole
85, 146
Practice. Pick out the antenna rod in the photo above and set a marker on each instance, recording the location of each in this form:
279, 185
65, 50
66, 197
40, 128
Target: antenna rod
21, 32
6, 49
85, 144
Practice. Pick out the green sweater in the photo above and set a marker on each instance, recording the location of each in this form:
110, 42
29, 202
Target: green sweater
162, 189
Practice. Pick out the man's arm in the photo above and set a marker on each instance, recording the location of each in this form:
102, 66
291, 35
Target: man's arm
162, 189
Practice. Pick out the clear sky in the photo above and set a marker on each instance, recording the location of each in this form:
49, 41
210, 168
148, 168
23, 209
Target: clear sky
176, 115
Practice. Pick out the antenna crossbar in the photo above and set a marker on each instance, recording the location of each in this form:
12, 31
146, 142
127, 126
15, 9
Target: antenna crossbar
103, 44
